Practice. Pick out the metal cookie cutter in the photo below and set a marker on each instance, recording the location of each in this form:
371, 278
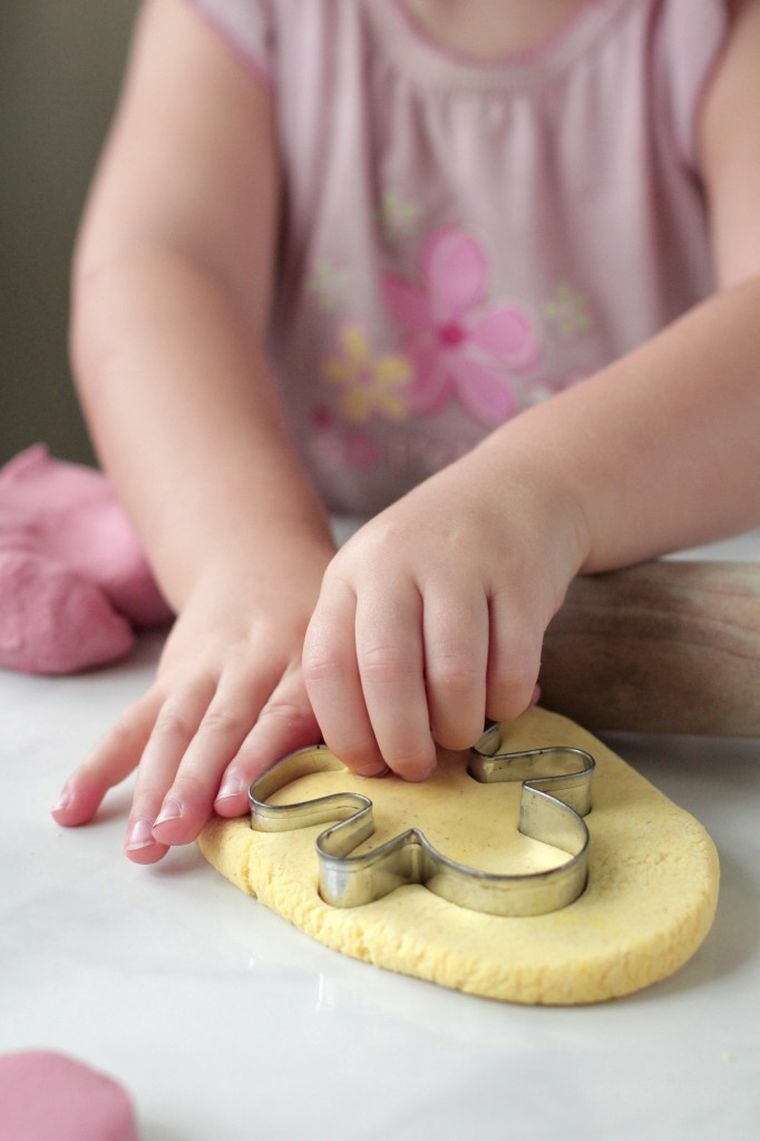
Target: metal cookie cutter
555, 798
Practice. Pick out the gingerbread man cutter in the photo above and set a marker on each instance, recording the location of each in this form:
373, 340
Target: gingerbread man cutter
552, 806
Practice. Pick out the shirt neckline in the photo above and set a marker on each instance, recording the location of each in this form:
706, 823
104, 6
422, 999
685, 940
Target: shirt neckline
429, 60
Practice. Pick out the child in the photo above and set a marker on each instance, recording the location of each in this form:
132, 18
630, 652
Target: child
338, 255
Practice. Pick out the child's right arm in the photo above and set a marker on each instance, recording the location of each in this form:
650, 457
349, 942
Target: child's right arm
171, 294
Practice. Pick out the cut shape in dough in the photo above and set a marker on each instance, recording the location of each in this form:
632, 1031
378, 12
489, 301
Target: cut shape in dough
648, 905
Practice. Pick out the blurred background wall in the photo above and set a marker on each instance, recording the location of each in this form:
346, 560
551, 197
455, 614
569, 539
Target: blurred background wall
60, 67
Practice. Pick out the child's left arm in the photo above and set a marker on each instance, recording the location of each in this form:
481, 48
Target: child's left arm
432, 617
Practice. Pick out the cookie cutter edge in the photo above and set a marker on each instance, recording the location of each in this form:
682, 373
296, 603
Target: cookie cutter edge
552, 806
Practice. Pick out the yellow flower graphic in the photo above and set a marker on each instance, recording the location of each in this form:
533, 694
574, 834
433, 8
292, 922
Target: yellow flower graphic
370, 384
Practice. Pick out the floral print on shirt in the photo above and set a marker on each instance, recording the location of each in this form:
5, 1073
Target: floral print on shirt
460, 344
330, 283
453, 344
368, 384
567, 309
338, 445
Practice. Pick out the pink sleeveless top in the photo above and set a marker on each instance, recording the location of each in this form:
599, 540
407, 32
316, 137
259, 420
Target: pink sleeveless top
463, 238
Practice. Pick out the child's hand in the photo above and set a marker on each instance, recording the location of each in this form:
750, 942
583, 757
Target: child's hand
431, 618
228, 701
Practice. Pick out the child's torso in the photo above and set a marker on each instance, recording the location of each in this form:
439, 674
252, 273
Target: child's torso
463, 237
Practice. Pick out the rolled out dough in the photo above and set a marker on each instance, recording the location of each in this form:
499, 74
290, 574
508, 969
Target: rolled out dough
649, 903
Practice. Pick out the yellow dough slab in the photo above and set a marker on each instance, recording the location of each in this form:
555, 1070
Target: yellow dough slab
649, 903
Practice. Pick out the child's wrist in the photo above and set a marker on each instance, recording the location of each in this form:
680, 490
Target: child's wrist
254, 555
527, 481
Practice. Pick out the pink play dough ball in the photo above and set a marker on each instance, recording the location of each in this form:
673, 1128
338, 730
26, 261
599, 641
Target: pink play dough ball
48, 1097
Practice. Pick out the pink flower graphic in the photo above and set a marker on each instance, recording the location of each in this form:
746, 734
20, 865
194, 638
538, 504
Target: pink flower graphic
337, 445
457, 343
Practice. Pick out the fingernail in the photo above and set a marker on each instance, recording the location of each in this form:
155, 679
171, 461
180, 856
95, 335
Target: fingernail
231, 786
64, 800
170, 810
140, 835
374, 769
421, 774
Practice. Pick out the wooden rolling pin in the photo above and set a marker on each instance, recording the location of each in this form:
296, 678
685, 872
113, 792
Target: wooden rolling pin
660, 647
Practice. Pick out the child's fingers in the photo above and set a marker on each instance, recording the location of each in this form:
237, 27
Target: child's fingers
513, 662
111, 762
233, 710
285, 723
176, 725
456, 657
333, 682
391, 666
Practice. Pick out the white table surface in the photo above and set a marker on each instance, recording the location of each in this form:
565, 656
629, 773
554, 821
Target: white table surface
226, 1023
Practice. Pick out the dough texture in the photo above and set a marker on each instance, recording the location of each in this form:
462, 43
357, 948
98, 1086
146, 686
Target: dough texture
648, 905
